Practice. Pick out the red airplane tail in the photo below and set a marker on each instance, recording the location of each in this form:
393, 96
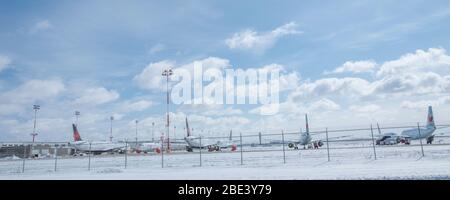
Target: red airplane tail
430, 118
188, 130
76, 135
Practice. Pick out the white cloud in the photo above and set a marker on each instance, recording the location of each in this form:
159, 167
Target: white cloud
410, 83
252, 40
136, 105
324, 105
288, 80
435, 59
425, 103
332, 86
328, 101
208, 108
228, 111
157, 48
96, 96
355, 67
353, 100
117, 116
400, 84
425, 72
217, 123
150, 77
4, 62
293, 107
371, 108
33, 90
16, 100
208, 63
41, 26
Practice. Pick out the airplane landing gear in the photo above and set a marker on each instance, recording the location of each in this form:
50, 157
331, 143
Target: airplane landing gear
430, 140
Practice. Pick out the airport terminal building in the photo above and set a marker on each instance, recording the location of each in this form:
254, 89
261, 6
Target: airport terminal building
36, 150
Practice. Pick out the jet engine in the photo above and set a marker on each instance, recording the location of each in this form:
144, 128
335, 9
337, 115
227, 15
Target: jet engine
213, 148
317, 144
291, 145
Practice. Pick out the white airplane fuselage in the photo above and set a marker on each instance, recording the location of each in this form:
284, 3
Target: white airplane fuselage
148, 146
415, 134
305, 139
195, 142
425, 132
96, 146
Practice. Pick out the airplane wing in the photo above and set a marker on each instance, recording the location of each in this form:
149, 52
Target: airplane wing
292, 141
442, 127
210, 143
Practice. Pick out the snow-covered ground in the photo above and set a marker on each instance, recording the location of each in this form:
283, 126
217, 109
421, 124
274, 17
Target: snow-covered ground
357, 162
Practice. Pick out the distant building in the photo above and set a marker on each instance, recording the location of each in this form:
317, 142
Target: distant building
36, 150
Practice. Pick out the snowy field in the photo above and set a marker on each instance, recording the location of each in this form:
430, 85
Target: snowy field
348, 161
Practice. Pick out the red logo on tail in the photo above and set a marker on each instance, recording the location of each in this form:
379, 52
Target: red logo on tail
76, 135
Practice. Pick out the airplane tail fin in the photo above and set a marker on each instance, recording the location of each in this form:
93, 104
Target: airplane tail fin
307, 125
379, 130
430, 118
76, 135
188, 130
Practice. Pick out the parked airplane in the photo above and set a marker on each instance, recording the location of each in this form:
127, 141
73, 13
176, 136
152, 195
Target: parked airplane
306, 139
424, 132
390, 138
411, 134
95, 147
196, 142
230, 143
148, 147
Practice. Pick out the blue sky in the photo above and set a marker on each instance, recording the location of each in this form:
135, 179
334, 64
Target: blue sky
85, 55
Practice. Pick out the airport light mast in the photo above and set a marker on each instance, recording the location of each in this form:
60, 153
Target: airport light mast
35, 108
167, 73
153, 131
136, 121
110, 136
175, 133
77, 113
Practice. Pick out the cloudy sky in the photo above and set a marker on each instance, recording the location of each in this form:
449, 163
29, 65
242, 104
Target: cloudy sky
346, 63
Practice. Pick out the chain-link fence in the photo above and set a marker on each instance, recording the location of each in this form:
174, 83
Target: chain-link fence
249, 149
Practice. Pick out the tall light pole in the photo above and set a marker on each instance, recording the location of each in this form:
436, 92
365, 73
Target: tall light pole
174, 133
153, 131
77, 113
136, 132
167, 73
35, 108
110, 136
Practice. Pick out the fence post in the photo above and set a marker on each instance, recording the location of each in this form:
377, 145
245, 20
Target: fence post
420, 136
284, 152
56, 157
162, 152
260, 139
90, 152
242, 159
200, 150
328, 147
24, 156
373, 142
126, 152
